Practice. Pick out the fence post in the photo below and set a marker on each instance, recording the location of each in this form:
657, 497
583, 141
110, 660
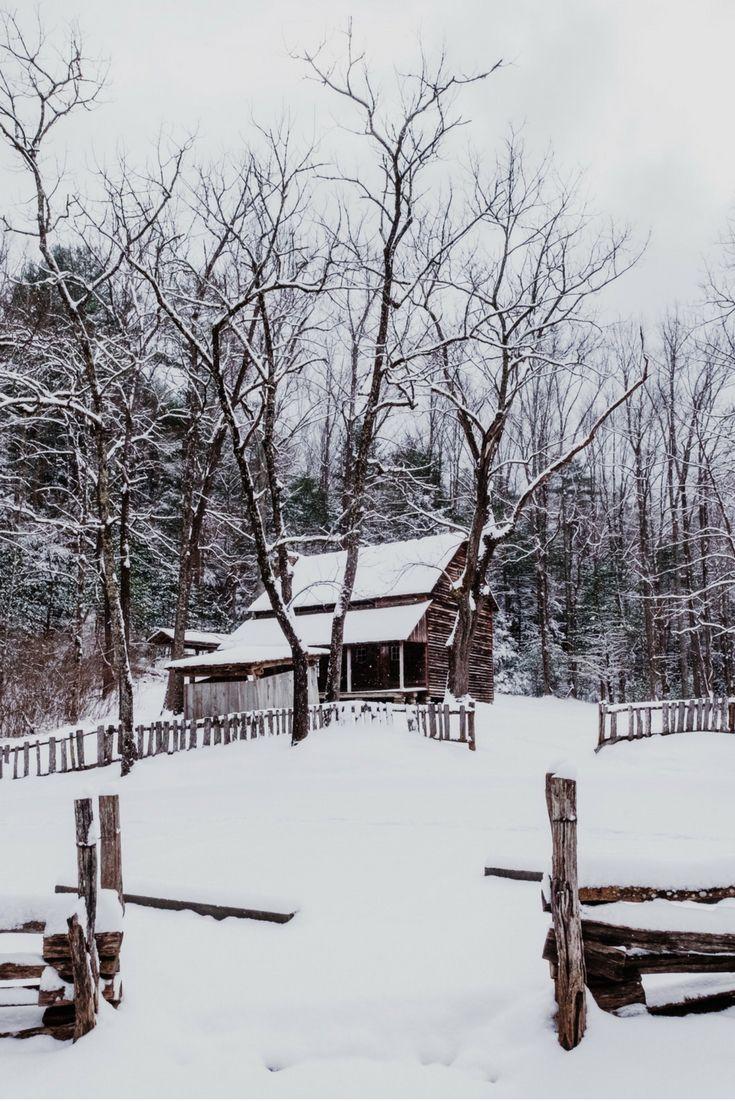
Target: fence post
111, 846
571, 1019
471, 728
80, 749
601, 723
87, 878
85, 992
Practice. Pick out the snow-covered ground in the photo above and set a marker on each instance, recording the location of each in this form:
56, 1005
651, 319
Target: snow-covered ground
406, 971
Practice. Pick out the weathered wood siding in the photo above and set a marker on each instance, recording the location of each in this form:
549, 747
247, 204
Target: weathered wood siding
439, 623
219, 698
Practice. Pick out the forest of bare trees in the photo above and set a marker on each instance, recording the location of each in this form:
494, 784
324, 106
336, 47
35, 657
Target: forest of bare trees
207, 367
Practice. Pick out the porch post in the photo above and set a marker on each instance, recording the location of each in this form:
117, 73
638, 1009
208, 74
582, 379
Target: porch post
349, 669
400, 666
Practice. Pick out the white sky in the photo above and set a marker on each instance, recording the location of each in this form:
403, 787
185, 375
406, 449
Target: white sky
637, 93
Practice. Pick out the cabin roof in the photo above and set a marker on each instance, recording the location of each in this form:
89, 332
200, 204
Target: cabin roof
262, 639
385, 570
389, 624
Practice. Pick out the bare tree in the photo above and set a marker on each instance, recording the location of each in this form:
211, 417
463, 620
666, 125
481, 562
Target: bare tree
535, 277
38, 90
392, 246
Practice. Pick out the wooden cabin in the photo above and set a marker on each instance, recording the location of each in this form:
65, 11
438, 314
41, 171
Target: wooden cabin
396, 629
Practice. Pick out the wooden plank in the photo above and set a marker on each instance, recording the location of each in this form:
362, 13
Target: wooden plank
514, 874
561, 802
659, 941
22, 969
86, 863
616, 893
110, 845
84, 984
212, 910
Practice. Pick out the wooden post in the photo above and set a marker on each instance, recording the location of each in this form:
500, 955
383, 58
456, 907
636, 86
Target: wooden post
84, 986
601, 723
80, 749
471, 728
26, 758
110, 846
86, 861
561, 801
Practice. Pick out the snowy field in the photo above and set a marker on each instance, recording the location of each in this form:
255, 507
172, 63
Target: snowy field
406, 971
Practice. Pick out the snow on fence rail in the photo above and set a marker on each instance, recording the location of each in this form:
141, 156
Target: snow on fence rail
642, 718
80, 750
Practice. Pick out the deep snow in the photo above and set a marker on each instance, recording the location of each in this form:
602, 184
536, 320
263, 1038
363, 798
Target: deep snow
406, 971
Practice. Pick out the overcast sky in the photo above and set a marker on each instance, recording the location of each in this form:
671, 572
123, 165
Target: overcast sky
637, 94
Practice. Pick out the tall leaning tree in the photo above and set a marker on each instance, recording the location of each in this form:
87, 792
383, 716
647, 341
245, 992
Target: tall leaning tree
537, 271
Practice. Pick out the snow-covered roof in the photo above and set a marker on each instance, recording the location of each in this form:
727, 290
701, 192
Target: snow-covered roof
243, 654
262, 640
383, 570
192, 638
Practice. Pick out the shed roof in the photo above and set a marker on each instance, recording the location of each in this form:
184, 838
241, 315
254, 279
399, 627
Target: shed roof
191, 638
405, 568
245, 654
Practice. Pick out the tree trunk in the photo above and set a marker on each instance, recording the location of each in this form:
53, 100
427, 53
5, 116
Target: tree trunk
300, 699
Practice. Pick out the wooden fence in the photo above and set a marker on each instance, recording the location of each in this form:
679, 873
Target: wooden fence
81, 750
643, 718
80, 949
437, 721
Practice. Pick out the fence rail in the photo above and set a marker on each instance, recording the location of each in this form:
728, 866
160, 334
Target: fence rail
640, 719
81, 750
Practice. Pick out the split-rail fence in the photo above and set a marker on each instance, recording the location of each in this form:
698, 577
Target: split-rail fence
588, 949
79, 959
